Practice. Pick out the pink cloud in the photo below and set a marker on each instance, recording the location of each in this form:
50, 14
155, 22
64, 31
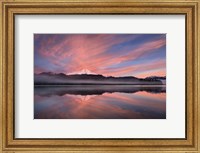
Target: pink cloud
84, 52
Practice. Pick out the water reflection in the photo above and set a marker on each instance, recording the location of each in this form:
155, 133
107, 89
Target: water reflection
100, 102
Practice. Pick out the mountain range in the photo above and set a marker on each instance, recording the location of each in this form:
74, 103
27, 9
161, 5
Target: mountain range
49, 78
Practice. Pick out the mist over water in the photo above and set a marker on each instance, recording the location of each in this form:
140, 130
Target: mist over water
100, 102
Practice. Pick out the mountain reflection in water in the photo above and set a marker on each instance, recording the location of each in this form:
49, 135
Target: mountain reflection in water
100, 102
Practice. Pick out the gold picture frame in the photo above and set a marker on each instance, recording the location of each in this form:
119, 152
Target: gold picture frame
9, 8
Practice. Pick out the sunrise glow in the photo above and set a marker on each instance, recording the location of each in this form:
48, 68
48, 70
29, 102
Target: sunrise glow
139, 55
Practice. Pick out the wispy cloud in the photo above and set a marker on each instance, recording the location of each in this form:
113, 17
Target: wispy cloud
106, 54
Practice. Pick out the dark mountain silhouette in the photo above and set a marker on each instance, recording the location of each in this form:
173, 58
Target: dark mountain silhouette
49, 78
156, 78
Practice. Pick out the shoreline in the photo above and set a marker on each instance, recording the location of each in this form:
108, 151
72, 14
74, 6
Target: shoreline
140, 85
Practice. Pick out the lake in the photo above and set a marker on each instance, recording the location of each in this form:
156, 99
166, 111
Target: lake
100, 102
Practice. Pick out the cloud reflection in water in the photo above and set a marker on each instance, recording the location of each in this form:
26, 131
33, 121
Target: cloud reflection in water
109, 102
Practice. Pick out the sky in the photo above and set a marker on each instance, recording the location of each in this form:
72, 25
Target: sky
139, 55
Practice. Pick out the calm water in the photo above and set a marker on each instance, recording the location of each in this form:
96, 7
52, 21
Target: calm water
100, 102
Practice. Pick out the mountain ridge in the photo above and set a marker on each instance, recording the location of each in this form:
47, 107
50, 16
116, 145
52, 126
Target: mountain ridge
61, 78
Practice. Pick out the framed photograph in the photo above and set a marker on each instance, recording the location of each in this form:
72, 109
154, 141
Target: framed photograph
99, 76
